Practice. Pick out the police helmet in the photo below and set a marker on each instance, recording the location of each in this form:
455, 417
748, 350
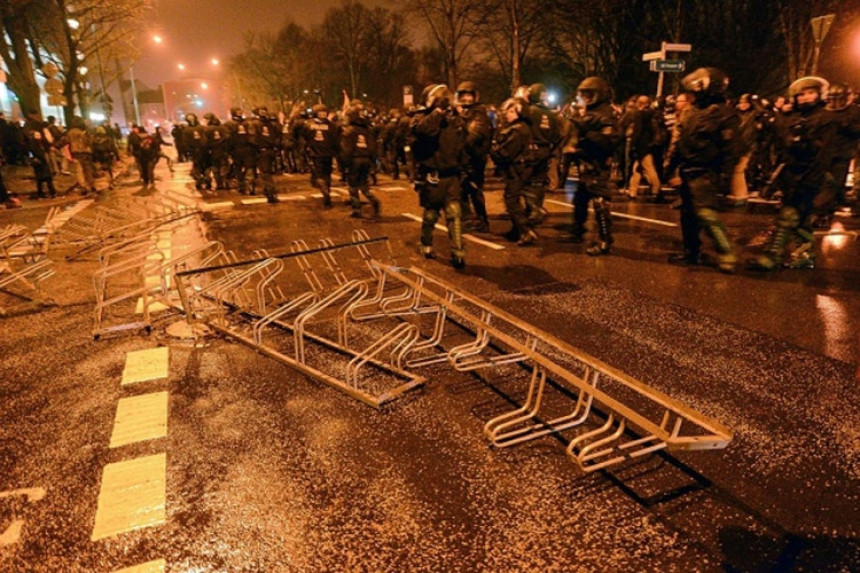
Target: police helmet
816, 83
518, 104
706, 81
436, 95
319, 108
537, 93
596, 85
211, 118
191, 119
261, 112
838, 96
467, 88
236, 113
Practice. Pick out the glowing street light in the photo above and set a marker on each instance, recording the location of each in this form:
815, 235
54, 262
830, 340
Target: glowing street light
73, 24
215, 61
157, 39
181, 66
204, 86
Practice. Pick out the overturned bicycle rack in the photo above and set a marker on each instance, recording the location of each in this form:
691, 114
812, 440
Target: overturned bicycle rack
305, 324
384, 321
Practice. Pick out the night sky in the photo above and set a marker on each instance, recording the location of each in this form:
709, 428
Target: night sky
195, 31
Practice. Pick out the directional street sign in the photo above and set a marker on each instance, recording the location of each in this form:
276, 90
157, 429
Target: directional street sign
677, 47
668, 66
821, 25
651, 56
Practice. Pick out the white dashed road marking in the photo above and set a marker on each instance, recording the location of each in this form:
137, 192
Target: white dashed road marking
620, 215
466, 236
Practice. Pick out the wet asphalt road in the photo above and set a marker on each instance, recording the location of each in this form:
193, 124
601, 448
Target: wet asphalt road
271, 471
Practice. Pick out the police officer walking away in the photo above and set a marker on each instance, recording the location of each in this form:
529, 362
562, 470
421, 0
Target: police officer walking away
323, 143
479, 138
595, 139
268, 131
194, 142
706, 153
358, 151
440, 154
546, 137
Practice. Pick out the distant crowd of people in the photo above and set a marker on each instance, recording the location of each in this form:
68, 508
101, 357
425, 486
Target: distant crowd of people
706, 147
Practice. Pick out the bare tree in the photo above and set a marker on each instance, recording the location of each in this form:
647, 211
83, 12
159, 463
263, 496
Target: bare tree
454, 26
15, 52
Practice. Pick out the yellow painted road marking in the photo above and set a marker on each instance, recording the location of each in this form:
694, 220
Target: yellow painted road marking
620, 215
155, 306
254, 201
217, 206
466, 236
156, 566
32, 493
132, 496
145, 365
140, 418
12, 533
292, 197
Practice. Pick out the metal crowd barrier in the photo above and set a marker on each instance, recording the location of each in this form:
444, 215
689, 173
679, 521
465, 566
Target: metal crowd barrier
632, 419
103, 225
295, 308
134, 273
23, 267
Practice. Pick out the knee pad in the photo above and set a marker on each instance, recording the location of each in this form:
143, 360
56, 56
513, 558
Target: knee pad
430, 217
453, 209
707, 216
788, 218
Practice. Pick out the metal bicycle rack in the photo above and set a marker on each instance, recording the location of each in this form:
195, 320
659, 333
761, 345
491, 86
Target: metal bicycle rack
23, 267
306, 323
105, 225
382, 320
632, 419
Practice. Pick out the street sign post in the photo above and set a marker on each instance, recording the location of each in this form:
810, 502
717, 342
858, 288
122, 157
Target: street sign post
659, 62
669, 65
820, 27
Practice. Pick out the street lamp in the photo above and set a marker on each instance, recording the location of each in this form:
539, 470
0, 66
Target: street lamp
215, 61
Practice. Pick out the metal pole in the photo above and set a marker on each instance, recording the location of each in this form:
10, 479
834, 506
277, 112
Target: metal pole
134, 96
815, 56
660, 75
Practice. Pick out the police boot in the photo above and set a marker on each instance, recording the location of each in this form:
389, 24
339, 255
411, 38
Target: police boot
604, 229
803, 255
376, 205
787, 220
512, 234
576, 233
726, 259
427, 251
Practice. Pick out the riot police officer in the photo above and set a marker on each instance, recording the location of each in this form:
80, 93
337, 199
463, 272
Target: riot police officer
194, 142
358, 152
323, 143
546, 138
243, 150
510, 153
218, 144
706, 154
268, 136
440, 154
479, 138
847, 119
807, 136
595, 138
